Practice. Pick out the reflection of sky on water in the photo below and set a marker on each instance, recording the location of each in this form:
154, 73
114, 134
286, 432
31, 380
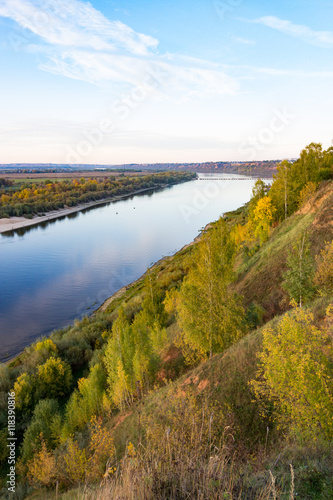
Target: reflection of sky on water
51, 274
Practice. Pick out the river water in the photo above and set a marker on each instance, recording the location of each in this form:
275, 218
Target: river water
57, 271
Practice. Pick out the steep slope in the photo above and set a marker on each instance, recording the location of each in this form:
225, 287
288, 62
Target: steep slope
316, 218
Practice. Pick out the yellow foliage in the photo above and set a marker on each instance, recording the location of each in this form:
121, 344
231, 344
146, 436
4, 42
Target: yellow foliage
46, 344
306, 193
75, 462
324, 273
101, 450
89, 464
242, 233
42, 469
131, 452
263, 217
171, 301
296, 373
24, 390
54, 377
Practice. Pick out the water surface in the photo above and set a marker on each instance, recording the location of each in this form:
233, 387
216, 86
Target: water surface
52, 273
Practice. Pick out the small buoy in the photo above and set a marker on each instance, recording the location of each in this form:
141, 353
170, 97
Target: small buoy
116, 213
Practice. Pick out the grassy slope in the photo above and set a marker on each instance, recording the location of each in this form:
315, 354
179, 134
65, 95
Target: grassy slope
316, 217
223, 380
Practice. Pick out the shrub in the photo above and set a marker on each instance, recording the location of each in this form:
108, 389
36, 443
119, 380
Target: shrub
54, 378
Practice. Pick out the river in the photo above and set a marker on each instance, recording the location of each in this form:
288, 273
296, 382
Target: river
57, 271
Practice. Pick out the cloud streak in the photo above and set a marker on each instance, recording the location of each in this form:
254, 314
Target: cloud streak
75, 23
78, 42
304, 33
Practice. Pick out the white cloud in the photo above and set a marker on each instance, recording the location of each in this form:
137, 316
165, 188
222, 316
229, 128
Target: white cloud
244, 41
320, 38
80, 43
75, 23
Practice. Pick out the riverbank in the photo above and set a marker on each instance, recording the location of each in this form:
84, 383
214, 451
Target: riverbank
13, 223
119, 293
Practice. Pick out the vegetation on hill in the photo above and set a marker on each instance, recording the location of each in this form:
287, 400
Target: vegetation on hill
256, 168
44, 196
211, 377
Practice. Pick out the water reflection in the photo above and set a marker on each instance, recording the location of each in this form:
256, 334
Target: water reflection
44, 224
64, 268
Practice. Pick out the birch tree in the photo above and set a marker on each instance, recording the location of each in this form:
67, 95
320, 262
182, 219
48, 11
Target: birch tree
299, 278
210, 314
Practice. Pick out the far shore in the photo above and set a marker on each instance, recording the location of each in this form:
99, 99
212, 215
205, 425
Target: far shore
13, 223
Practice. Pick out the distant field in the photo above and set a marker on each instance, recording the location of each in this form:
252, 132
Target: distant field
61, 176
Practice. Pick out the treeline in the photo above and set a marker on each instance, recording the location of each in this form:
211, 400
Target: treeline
49, 195
293, 185
5, 183
295, 182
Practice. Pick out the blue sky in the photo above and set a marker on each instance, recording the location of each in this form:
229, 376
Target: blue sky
114, 82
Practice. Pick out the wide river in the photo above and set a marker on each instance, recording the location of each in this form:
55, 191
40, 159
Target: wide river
55, 272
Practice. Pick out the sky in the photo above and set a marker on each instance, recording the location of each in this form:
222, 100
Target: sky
116, 82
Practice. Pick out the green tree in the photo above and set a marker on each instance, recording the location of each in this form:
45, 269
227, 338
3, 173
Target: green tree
25, 392
209, 313
118, 359
299, 277
153, 301
46, 421
310, 162
146, 358
86, 401
282, 190
296, 374
54, 378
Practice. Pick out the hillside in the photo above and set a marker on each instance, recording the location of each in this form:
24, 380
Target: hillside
219, 391
252, 168
203, 379
316, 218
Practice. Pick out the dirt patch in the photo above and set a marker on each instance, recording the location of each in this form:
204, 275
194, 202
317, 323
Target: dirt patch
121, 419
191, 380
203, 384
171, 354
113, 297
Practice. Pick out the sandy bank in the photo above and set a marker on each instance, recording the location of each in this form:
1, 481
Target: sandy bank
14, 223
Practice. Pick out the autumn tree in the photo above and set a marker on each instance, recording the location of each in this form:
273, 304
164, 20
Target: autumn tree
118, 359
148, 342
54, 378
258, 192
46, 421
310, 162
153, 311
262, 218
87, 400
282, 190
299, 277
25, 392
209, 313
324, 272
296, 374
42, 468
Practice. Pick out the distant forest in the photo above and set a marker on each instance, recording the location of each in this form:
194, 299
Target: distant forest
255, 168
